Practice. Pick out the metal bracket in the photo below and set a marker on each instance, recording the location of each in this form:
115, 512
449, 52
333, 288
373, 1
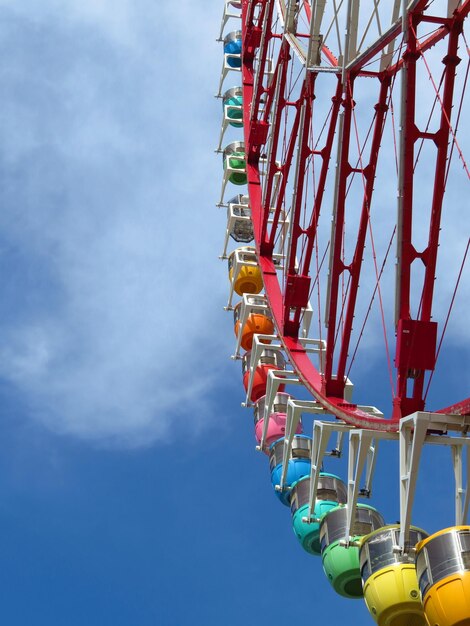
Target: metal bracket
275, 379
227, 14
461, 492
256, 351
416, 430
251, 304
321, 435
244, 256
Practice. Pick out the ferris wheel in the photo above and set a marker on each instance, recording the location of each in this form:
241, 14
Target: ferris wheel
348, 158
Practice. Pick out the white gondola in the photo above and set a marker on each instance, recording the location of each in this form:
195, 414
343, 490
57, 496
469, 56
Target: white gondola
239, 224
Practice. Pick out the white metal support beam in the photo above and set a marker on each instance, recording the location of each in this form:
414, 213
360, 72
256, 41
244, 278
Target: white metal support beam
255, 356
370, 468
230, 10
233, 218
466, 501
322, 432
461, 490
388, 56
363, 450
350, 39
295, 408
226, 121
451, 6
226, 68
250, 303
315, 346
240, 259
228, 171
431, 428
412, 435
292, 10
360, 446
275, 379
315, 41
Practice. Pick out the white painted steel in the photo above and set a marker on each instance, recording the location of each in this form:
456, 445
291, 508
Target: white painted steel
231, 10
251, 304
226, 122
241, 257
256, 351
226, 68
419, 429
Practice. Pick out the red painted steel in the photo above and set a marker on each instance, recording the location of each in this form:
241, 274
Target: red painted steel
422, 334
336, 386
264, 104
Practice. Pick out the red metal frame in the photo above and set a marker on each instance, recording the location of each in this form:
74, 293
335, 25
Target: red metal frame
416, 337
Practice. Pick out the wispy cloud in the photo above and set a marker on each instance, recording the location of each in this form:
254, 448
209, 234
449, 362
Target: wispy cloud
111, 328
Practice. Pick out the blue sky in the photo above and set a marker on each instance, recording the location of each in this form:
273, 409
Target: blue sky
130, 491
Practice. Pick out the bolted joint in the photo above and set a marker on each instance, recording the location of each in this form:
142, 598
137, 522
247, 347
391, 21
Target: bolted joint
451, 60
381, 108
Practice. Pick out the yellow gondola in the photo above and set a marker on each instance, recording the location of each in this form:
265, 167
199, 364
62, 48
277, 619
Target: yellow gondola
245, 272
390, 584
443, 569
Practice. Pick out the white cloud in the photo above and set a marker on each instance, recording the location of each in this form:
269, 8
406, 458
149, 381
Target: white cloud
109, 220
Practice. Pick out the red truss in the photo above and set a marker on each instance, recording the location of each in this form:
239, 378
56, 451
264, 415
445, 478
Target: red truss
266, 103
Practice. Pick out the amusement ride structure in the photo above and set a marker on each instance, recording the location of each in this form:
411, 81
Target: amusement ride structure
347, 164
